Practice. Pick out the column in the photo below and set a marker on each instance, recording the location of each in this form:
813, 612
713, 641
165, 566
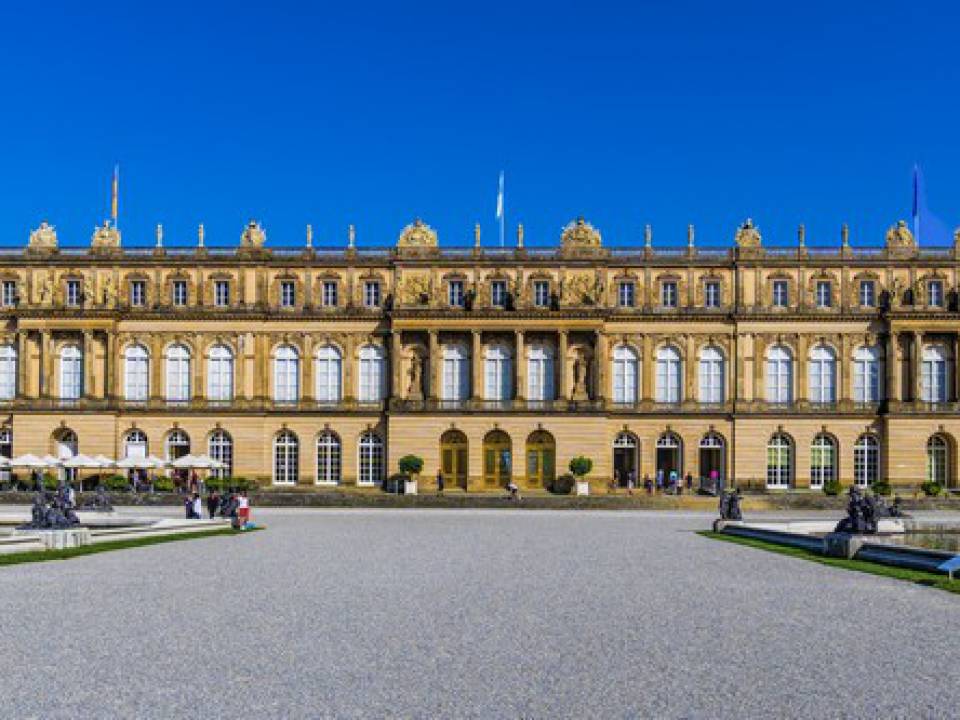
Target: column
803, 368
690, 390
196, 369
110, 365
894, 375
759, 394
240, 369
648, 365
845, 391
562, 345
602, 390
476, 360
396, 347
434, 365
157, 369
915, 365
307, 387
22, 361
349, 365
46, 364
88, 359
520, 365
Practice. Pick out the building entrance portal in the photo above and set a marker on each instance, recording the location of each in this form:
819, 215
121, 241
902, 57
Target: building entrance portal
453, 459
625, 459
669, 459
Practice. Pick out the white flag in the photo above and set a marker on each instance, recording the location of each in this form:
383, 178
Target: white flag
500, 198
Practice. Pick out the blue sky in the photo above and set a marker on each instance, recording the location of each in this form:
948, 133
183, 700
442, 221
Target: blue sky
370, 113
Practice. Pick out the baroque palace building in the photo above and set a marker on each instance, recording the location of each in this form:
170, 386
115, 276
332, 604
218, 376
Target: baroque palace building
768, 367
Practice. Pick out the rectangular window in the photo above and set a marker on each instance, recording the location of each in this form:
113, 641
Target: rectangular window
625, 294
498, 293
138, 293
179, 293
329, 293
371, 294
824, 294
711, 294
781, 293
9, 293
668, 294
935, 293
455, 293
541, 293
221, 293
288, 294
868, 293
74, 293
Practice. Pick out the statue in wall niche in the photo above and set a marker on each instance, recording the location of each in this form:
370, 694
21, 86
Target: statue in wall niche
581, 372
109, 291
415, 389
46, 291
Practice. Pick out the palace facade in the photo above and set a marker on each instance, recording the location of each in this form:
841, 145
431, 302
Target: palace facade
769, 367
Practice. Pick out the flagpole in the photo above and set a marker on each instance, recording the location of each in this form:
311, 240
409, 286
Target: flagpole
500, 208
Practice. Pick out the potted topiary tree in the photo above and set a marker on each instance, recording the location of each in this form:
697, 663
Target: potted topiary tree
410, 466
580, 466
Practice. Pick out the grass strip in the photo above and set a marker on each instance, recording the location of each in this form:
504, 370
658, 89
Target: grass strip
67, 553
920, 577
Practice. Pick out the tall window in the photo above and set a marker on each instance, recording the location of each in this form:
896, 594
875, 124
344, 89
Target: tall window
935, 293
711, 375
178, 373
625, 372
866, 461
625, 293
9, 296
371, 293
135, 444
371, 459
328, 458
498, 293
286, 374
6, 450
8, 372
866, 375
371, 374
779, 462
781, 293
138, 293
711, 294
220, 374
498, 374
178, 293
540, 373
541, 293
221, 293
74, 295
938, 454
286, 458
456, 374
328, 370
71, 373
868, 293
933, 375
136, 373
779, 375
824, 294
177, 445
221, 448
669, 296
823, 375
330, 293
669, 375
823, 460
288, 294
455, 293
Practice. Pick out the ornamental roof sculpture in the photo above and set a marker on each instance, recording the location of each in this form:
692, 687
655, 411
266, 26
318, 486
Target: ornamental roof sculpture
105, 237
900, 241
580, 239
748, 236
253, 236
418, 239
44, 238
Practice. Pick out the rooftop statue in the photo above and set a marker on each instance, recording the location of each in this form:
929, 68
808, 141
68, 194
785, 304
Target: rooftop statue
105, 236
43, 238
748, 235
253, 235
899, 236
417, 235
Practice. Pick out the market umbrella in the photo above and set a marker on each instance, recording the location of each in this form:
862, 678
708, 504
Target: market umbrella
131, 463
82, 461
104, 461
29, 461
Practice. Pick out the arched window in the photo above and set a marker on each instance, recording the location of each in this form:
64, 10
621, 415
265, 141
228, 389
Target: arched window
938, 460
177, 445
220, 374
220, 447
779, 461
823, 375
286, 458
779, 375
178, 373
71, 373
711, 375
866, 461
8, 372
328, 458
540, 373
823, 460
866, 375
625, 374
136, 373
286, 374
328, 370
713, 460
669, 375
371, 374
456, 374
498, 374
135, 444
933, 376
6, 450
669, 458
371, 459
625, 459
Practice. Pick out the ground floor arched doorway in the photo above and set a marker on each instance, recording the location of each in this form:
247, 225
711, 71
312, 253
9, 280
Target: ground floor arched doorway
497, 459
712, 461
541, 459
65, 446
453, 459
669, 459
626, 459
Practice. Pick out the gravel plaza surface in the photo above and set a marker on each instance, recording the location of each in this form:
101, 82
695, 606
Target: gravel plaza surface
470, 613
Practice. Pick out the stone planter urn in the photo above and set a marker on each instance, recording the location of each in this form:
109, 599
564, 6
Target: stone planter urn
410, 486
583, 487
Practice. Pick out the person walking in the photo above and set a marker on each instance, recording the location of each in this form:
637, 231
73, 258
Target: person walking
439, 482
243, 508
631, 481
188, 507
674, 482
197, 507
660, 480
689, 482
213, 502
648, 484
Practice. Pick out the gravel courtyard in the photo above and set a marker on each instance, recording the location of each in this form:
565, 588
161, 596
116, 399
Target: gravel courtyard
366, 613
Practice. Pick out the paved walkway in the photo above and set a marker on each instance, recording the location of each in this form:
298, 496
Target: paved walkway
366, 613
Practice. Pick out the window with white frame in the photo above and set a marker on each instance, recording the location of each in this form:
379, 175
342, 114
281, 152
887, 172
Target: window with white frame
371, 374
178, 373
626, 371
455, 294
136, 373
669, 386
866, 375
455, 385
178, 293
286, 458
371, 459
779, 462
933, 374
626, 295
498, 293
823, 375
711, 294
711, 375
669, 294
9, 296
935, 293
541, 293
779, 375
6, 450
220, 447
498, 374
74, 294
938, 457
288, 294
221, 293
371, 293
868, 293
824, 294
780, 293
823, 461
71, 373
8, 372
866, 461
135, 444
328, 373
328, 458
177, 445
540, 373
329, 293
138, 293
220, 374
286, 374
